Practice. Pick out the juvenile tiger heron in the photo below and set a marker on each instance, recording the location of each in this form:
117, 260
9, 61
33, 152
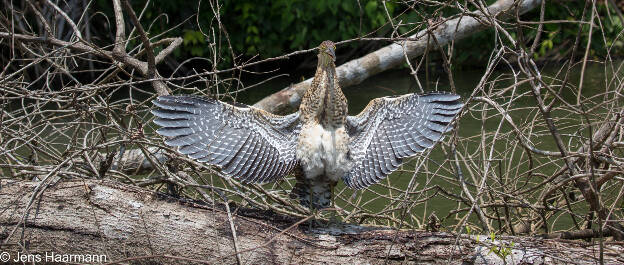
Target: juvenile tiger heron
320, 143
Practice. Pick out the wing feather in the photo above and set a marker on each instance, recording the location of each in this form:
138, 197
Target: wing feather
267, 167
390, 159
235, 148
189, 149
397, 141
219, 147
227, 149
424, 137
248, 162
270, 167
392, 128
175, 123
379, 161
258, 164
369, 171
236, 165
245, 142
414, 142
285, 167
200, 155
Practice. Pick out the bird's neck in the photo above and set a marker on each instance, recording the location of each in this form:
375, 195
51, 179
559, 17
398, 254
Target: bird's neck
326, 62
326, 72
324, 102
333, 107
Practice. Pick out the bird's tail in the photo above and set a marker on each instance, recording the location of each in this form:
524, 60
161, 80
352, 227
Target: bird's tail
315, 194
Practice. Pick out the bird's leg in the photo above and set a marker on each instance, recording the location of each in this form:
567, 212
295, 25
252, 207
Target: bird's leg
312, 206
333, 219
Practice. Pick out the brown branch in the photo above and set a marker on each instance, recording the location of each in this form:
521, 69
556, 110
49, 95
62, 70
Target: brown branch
580, 234
117, 55
126, 223
357, 70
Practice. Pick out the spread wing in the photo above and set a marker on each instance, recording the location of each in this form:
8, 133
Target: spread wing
245, 142
392, 128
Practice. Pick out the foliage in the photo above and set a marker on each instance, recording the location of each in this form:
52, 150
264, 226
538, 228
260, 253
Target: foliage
501, 251
557, 38
527, 147
271, 28
267, 28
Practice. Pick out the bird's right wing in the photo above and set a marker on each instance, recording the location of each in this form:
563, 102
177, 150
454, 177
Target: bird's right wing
247, 143
392, 128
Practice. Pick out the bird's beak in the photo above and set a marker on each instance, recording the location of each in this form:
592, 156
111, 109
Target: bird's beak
331, 51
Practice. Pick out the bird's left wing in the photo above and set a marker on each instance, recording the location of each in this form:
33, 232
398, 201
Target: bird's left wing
247, 143
392, 128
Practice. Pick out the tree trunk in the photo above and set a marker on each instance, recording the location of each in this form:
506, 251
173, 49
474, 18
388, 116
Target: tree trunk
358, 70
85, 218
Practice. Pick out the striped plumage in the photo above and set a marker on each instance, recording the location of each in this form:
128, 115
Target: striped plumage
247, 143
392, 128
320, 141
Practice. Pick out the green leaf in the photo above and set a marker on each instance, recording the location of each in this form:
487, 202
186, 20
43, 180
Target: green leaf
252, 29
197, 51
348, 7
371, 9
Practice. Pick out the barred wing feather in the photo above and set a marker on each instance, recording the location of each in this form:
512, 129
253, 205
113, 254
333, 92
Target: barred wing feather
392, 128
245, 142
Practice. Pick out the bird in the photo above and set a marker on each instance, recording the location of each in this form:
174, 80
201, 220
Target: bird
319, 144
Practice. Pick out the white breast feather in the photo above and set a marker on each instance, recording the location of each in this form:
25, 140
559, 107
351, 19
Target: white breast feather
323, 151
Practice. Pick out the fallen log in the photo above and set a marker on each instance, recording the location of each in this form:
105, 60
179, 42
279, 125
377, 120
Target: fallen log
357, 70
122, 223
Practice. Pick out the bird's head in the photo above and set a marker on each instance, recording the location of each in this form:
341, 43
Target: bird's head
327, 53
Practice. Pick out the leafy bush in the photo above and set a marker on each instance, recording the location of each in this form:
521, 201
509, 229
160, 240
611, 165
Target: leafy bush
270, 28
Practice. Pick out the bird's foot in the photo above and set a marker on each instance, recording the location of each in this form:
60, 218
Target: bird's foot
319, 225
333, 217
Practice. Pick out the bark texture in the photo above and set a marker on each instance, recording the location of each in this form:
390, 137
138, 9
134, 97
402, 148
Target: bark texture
130, 224
358, 70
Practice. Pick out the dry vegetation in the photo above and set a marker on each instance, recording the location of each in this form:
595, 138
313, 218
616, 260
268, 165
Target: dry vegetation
549, 158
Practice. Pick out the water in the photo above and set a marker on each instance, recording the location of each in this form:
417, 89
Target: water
433, 179
433, 171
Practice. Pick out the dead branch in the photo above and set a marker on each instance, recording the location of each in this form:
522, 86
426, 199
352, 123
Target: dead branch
128, 224
357, 70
